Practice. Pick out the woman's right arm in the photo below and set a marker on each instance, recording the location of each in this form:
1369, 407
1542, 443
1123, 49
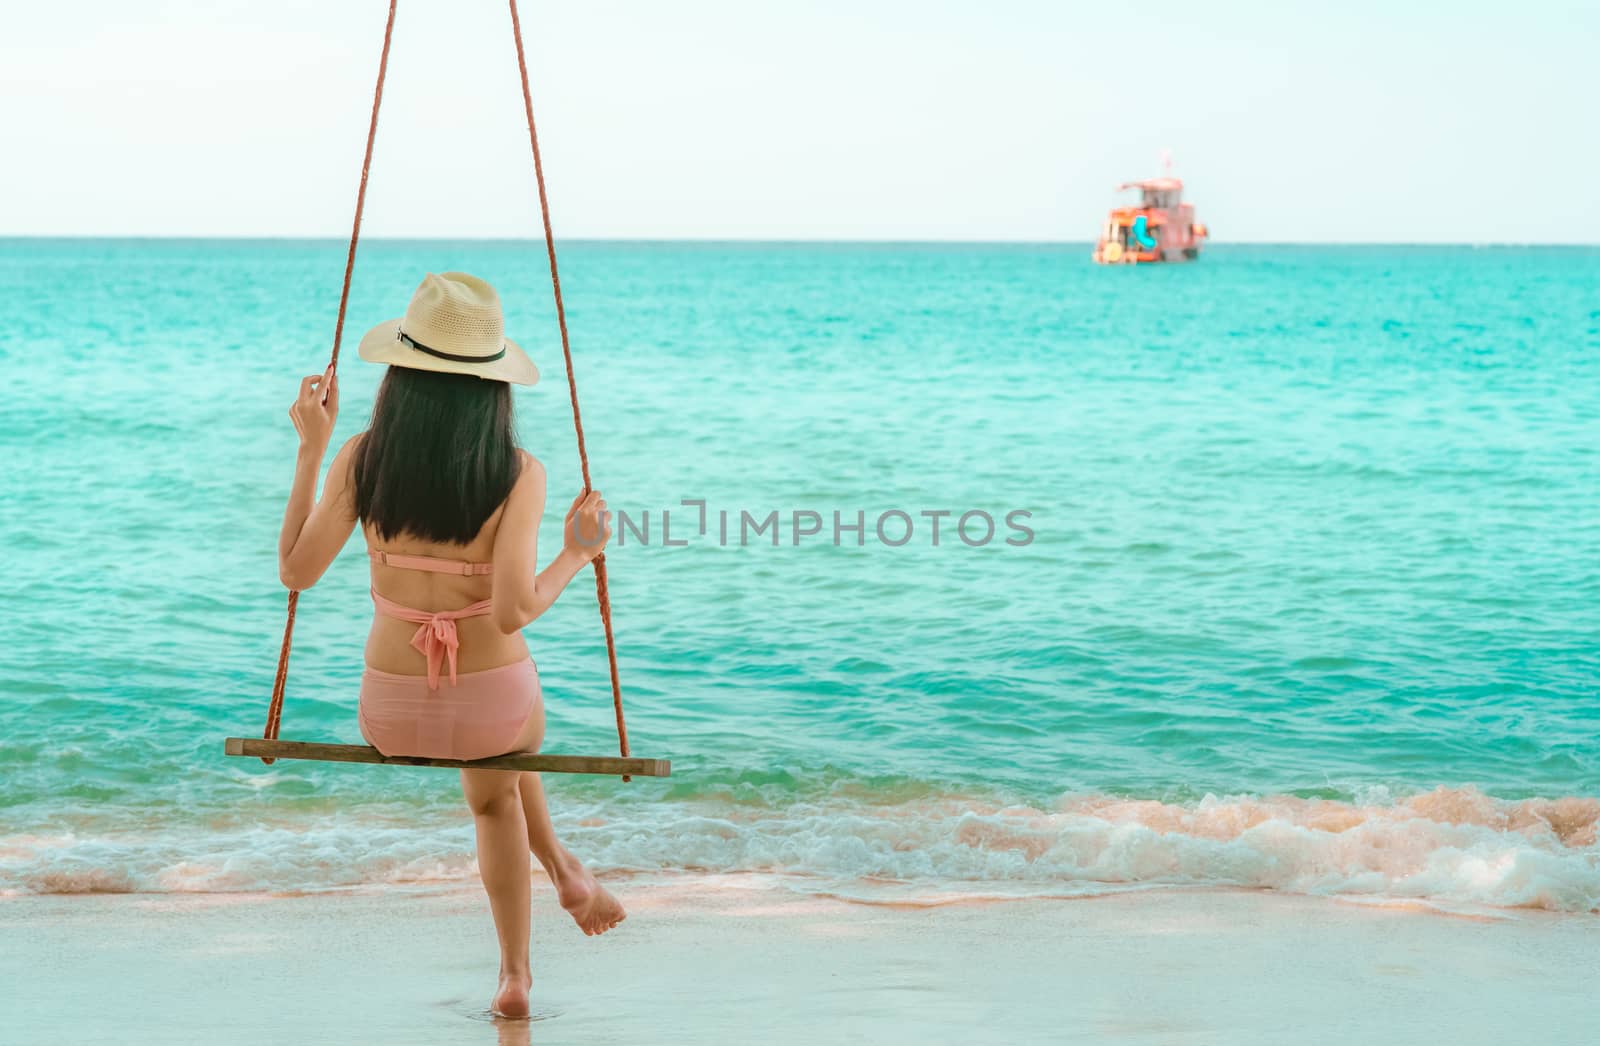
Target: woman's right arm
521, 592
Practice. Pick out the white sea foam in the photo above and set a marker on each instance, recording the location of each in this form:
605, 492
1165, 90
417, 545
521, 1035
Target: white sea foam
1454, 849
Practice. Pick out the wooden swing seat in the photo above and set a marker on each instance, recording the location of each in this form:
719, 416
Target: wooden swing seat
259, 747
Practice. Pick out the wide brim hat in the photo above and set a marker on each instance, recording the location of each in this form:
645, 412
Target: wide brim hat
454, 325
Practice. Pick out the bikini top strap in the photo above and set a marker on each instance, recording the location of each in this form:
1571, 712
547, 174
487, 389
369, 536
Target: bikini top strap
430, 564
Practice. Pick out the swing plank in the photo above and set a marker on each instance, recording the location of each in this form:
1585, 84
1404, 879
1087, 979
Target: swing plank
537, 761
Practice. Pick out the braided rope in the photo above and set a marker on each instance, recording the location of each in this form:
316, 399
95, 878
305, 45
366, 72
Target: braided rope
602, 589
275, 708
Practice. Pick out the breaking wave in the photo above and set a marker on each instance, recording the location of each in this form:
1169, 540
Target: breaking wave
1451, 848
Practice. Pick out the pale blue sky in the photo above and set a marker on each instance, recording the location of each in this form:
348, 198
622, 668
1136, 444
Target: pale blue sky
813, 119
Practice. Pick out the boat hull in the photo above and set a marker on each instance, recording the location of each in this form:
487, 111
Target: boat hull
1150, 234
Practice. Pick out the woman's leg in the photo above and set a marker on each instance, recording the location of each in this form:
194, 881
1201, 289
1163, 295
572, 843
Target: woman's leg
590, 904
536, 814
493, 797
541, 832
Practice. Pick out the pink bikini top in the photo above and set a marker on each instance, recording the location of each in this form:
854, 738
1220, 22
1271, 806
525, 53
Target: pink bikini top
436, 639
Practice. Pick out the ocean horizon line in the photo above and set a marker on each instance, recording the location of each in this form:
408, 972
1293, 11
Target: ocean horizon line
767, 242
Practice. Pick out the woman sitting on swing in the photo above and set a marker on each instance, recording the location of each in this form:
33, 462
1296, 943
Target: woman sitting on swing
450, 508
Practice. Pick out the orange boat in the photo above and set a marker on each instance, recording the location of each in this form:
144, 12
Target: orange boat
1161, 229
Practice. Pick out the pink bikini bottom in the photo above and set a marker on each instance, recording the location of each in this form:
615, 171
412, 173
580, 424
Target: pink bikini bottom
480, 715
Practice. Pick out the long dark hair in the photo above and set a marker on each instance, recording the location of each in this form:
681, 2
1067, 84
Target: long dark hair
439, 457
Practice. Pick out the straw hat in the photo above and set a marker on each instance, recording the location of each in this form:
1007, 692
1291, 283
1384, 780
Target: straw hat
454, 325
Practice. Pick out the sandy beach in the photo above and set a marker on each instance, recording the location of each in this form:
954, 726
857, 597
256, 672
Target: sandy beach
720, 960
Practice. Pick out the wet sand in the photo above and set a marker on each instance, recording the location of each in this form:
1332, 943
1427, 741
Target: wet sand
717, 961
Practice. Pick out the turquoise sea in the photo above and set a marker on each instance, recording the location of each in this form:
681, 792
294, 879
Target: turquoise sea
1310, 600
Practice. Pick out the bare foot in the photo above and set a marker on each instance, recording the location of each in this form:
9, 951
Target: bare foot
512, 998
591, 905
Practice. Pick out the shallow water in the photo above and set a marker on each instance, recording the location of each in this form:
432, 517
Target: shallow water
1307, 524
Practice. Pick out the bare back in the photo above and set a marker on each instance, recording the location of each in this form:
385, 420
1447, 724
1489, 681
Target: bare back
483, 644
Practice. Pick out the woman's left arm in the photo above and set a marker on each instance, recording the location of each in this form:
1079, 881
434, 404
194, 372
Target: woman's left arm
314, 531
